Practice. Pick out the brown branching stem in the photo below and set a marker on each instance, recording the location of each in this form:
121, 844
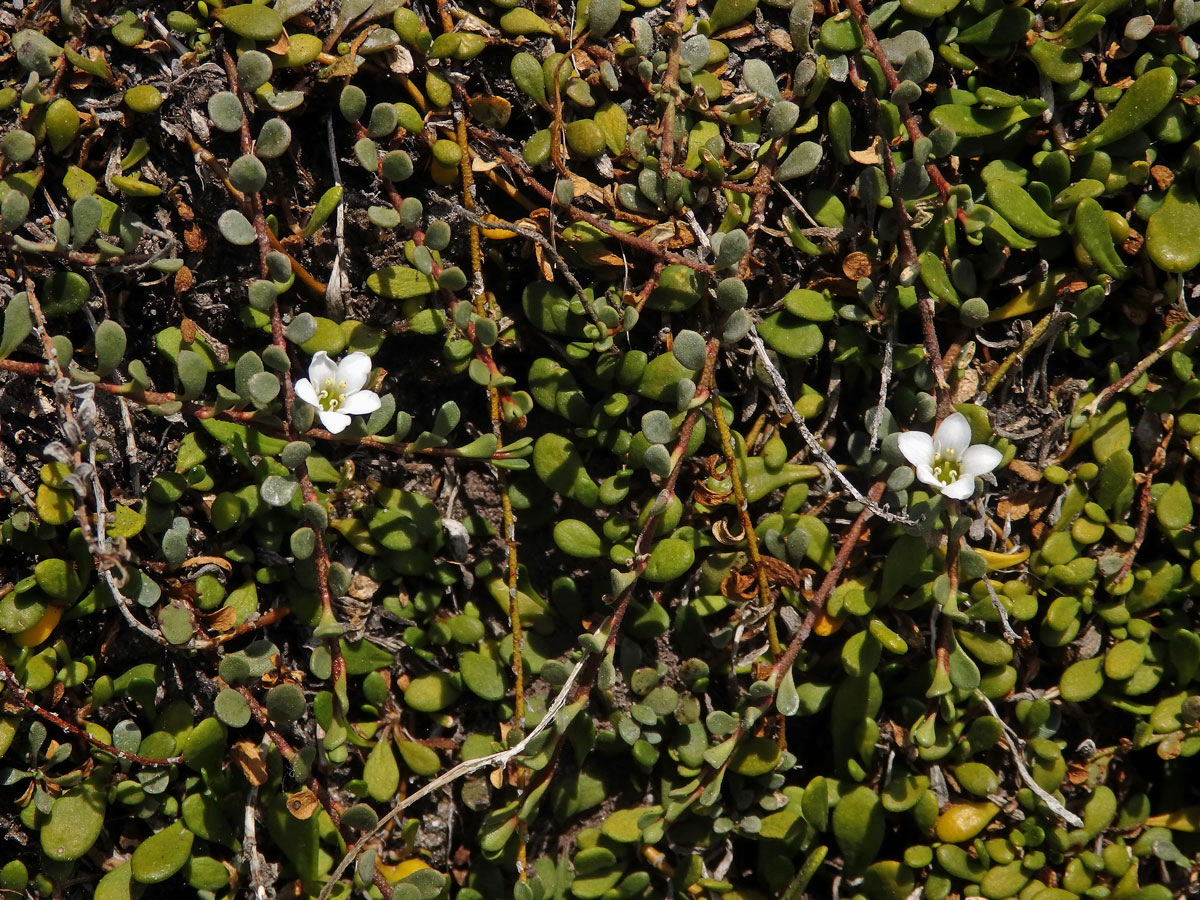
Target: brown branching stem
314, 784
908, 259
302, 274
816, 607
893, 81
7, 242
579, 215
758, 210
641, 557
1179, 337
320, 554
943, 634
130, 392
1146, 500
18, 692
495, 400
816, 604
670, 87
582, 676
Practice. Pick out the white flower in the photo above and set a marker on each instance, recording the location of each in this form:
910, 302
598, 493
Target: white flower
948, 460
336, 389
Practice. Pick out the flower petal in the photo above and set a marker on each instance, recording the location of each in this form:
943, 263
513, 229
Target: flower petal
322, 368
961, 489
917, 447
954, 434
980, 459
305, 391
925, 474
360, 403
334, 422
354, 370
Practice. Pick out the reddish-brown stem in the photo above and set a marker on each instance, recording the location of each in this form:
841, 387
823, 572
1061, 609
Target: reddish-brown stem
289, 753
816, 605
638, 243
270, 617
306, 278
739, 186
908, 258
1146, 500
249, 417
758, 211
893, 81
320, 553
21, 695
953, 545
78, 256
670, 85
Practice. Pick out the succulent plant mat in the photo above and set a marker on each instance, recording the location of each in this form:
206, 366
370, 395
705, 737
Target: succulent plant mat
715, 450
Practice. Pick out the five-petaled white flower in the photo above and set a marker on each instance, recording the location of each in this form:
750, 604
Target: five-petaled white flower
947, 460
336, 389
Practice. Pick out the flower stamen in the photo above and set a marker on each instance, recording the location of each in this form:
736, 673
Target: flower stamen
946, 469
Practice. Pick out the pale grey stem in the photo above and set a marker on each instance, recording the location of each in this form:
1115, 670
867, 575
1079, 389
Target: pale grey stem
102, 549
334, 302
1183, 334
165, 34
1015, 747
131, 448
123, 606
494, 761
784, 399
885, 379
250, 851
1009, 633
18, 483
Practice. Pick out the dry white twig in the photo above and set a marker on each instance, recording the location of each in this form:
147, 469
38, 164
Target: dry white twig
1009, 633
259, 878
493, 761
885, 379
18, 483
784, 399
335, 290
1015, 746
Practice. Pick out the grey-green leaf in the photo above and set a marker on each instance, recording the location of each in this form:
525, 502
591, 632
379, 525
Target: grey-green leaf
193, 373
273, 139
231, 708
75, 822
111, 343
236, 228
85, 219
248, 174
18, 323
225, 110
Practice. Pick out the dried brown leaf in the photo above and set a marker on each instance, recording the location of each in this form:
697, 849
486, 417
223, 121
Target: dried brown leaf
254, 766
1025, 470
222, 619
870, 156
856, 265
303, 803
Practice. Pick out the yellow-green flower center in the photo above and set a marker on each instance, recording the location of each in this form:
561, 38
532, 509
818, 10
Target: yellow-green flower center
330, 397
946, 467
